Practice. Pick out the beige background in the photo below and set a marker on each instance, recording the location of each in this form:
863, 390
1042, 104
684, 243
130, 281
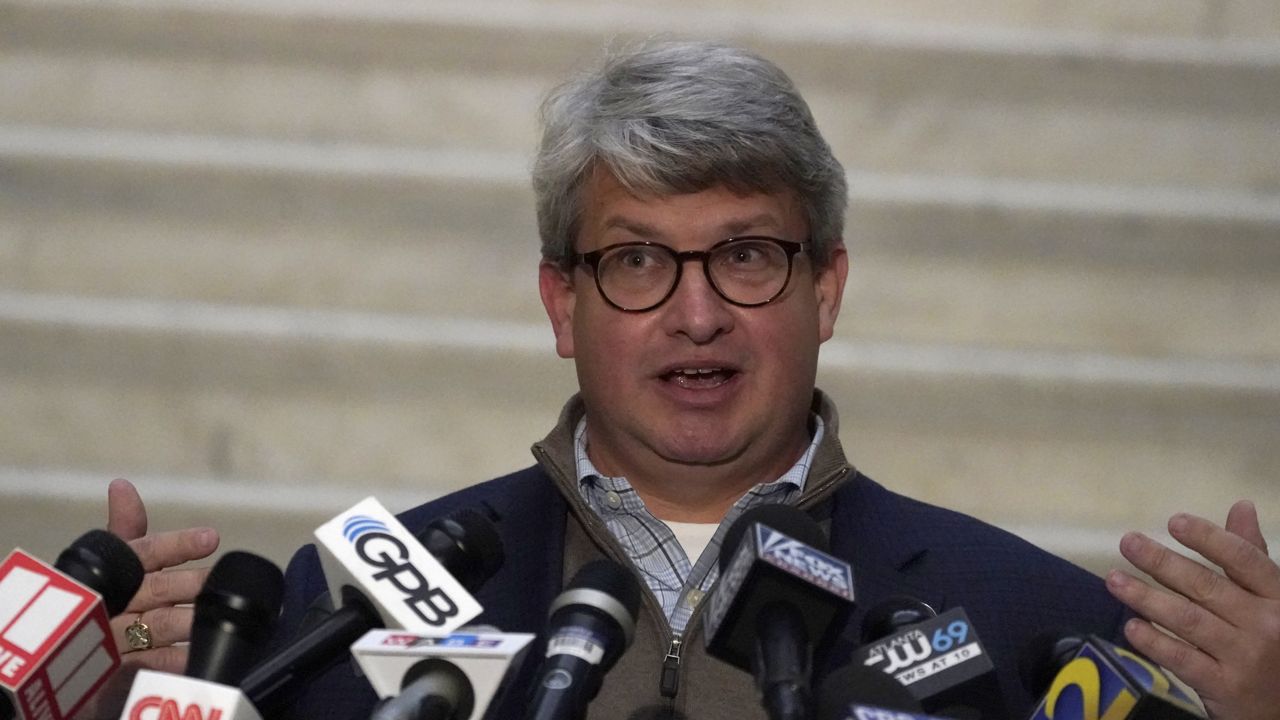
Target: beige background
268, 257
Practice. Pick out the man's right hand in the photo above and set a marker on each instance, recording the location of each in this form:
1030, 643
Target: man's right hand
163, 602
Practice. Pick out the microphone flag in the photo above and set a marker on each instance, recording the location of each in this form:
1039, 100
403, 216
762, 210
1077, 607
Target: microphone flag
54, 646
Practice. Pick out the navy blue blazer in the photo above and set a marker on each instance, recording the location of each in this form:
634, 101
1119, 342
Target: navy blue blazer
1011, 589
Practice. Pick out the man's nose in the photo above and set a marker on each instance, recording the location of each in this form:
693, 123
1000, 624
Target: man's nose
695, 309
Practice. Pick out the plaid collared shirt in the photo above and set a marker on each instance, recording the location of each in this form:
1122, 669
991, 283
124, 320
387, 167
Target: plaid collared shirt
678, 583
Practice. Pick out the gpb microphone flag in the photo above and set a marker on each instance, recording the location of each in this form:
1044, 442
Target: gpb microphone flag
465, 543
55, 649
367, 548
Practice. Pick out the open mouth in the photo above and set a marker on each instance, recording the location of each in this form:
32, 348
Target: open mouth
699, 378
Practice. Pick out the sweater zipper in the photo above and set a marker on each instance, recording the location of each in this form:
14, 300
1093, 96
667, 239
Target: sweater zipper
669, 677
669, 682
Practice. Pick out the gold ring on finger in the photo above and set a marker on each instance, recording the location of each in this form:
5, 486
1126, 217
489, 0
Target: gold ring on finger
138, 635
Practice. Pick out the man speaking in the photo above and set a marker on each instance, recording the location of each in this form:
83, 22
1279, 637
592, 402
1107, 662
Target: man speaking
691, 220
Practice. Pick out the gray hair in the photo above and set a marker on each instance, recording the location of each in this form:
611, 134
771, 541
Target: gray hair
681, 117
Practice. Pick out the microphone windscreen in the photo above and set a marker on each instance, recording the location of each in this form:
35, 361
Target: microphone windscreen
892, 615
105, 564
246, 582
450, 676
610, 578
1043, 658
467, 544
235, 614
790, 521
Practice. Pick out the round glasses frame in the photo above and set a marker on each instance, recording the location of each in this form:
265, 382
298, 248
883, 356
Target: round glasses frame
592, 259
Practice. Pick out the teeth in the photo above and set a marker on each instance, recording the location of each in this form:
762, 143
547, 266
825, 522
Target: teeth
701, 371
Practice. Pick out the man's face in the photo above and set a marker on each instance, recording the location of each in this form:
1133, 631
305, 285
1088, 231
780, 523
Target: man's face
698, 380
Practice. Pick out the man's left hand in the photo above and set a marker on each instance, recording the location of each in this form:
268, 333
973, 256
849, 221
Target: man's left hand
1225, 626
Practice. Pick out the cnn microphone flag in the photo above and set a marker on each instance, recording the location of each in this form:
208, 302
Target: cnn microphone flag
54, 646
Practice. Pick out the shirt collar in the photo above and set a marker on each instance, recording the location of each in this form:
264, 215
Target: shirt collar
597, 487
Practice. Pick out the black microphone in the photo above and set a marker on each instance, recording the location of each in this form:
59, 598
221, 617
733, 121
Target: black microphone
1044, 656
432, 689
1087, 677
591, 623
892, 615
235, 614
779, 595
466, 543
106, 565
939, 659
858, 691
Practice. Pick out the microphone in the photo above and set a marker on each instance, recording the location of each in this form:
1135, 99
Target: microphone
434, 689
380, 575
939, 659
590, 624
1098, 679
456, 676
233, 617
235, 614
892, 615
54, 646
779, 592
857, 691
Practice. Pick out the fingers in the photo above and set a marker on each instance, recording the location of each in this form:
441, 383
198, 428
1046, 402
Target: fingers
1193, 623
1239, 557
169, 659
1197, 583
170, 587
126, 515
1189, 664
167, 549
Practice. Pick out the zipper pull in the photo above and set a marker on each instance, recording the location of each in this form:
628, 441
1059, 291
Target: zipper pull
669, 685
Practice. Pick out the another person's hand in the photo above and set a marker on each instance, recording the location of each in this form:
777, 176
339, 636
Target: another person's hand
162, 603
1225, 626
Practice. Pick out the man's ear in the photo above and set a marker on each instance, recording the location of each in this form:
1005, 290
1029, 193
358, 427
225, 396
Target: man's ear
828, 286
558, 297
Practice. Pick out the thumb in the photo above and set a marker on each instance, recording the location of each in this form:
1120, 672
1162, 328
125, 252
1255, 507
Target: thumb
126, 515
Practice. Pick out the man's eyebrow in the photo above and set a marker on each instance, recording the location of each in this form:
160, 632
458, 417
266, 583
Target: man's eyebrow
635, 227
751, 224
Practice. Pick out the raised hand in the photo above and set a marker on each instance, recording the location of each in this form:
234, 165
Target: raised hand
1225, 625
160, 612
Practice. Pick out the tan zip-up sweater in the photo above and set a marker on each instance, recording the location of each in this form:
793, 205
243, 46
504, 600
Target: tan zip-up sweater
705, 688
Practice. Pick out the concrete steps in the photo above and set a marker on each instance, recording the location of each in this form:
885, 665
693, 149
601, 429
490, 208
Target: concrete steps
333, 401
1153, 112
438, 233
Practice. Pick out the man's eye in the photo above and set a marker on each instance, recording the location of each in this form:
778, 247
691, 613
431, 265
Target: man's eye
638, 258
634, 259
